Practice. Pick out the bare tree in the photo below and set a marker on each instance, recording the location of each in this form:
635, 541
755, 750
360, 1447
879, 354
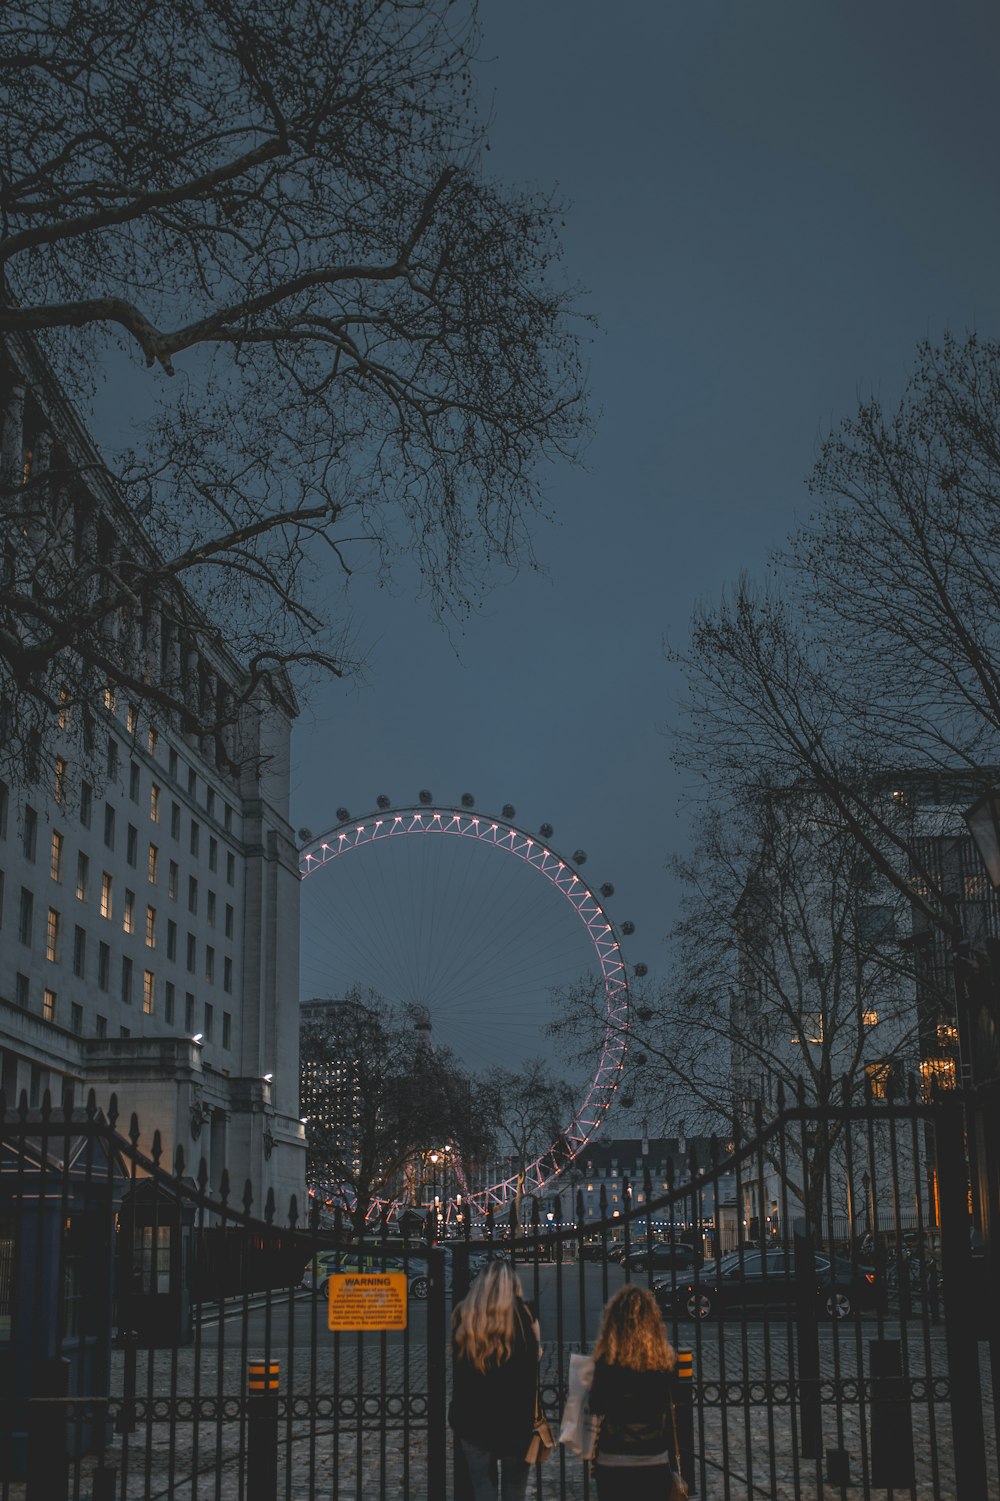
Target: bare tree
529, 1108
286, 210
379, 1099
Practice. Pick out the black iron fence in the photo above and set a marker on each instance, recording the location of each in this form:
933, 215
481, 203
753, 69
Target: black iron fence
829, 1281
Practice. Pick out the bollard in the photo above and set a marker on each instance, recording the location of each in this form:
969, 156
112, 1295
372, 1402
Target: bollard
262, 1430
684, 1406
48, 1432
893, 1463
104, 1483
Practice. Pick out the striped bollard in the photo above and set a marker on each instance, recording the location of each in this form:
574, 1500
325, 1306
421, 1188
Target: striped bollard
262, 1430
685, 1416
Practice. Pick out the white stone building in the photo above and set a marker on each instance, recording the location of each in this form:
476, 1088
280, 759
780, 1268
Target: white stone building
149, 889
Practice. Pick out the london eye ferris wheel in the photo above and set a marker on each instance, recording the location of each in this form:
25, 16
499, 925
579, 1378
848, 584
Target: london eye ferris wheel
479, 926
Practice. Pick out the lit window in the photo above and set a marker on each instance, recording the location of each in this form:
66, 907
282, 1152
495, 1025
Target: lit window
62, 779
811, 1029
881, 1079
63, 716
975, 885
132, 718
82, 876
109, 697
936, 1071
869, 1018
52, 935
49, 1005
148, 991
151, 927
154, 803
56, 863
128, 920
947, 1032
154, 864
106, 907
152, 741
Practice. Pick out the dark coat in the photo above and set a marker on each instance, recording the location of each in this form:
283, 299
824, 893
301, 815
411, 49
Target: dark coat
495, 1408
635, 1410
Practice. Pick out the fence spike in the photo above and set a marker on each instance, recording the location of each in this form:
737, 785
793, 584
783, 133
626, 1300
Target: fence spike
113, 1110
133, 1130
293, 1212
202, 1178
224, 1185
22, 1105
46, 1105
247, 1196
67, 1101
91, 1104
156, 1151
269, 1207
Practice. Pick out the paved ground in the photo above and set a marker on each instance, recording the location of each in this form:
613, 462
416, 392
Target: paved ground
745, 1446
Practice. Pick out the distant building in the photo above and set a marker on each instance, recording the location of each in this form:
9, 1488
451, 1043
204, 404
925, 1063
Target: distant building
149, 909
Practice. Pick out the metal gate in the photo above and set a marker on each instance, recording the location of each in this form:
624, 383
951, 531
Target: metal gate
839, 1340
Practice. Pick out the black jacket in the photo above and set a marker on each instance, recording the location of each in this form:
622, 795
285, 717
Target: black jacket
635, 1410
496, 1408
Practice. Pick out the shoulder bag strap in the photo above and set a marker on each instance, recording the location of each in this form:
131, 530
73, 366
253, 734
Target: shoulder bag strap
673, 1424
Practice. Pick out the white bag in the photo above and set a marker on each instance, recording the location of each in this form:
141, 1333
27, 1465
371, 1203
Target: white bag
579, 1427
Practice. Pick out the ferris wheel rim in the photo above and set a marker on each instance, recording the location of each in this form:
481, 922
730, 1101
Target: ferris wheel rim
442, 819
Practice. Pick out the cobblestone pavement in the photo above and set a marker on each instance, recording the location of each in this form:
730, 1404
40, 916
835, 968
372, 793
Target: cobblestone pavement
744, 1445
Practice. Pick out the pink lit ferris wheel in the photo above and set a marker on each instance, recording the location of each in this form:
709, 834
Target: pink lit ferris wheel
471, 919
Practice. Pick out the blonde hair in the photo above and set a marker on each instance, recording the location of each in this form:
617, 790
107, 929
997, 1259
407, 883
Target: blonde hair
632, 1332
484, 1326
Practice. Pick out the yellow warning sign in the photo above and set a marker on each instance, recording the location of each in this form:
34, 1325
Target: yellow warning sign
368, 1300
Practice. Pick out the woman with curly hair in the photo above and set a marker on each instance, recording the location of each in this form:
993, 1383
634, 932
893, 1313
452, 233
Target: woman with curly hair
496, 1345
633, 1365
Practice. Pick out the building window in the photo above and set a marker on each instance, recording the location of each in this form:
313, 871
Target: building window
876, 924
128, 918
154, 865
195, 835
227, 974
188, 1011
227, 1028
26, 918
173, 875
175, 820
61, 779
76, 1018
192, 894
148, 992
151, 927
52, 936
100, 1026
940, 1072
209, 964
154, 803
227, 818
133, 781
132, 718
210, 802
112, 758
192, 953
49, 1005
869, 1018
229, 920
109, 697
79, 951
213, 854
132, 844
230, 868
126, 980
22, 991
210, 908
171, 939
168, 1003
109, 826
106, 903
103, 966
172, 762
124, 1032
209, 1021
152, 741
30, 833
810, 1029
192, 782
82, 876
882, 1079
86, 801
56, 861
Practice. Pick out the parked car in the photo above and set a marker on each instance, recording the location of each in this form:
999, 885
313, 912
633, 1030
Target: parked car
760, 1280
663, 1256
317, 1274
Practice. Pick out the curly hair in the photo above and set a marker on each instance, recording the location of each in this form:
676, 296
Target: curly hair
485, 1324
632, 1332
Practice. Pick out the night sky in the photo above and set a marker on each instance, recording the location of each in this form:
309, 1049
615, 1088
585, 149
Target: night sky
768, 206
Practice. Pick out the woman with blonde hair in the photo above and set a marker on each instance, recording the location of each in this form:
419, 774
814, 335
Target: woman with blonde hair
496, 1346
632, 1395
